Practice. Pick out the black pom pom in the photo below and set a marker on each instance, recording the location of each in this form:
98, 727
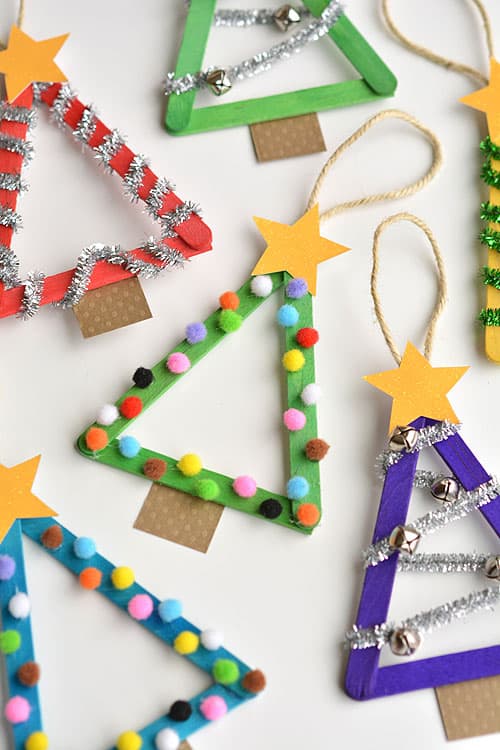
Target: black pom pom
143, 377
270, 508
180, 711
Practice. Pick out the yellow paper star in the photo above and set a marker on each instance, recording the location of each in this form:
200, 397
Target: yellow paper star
297, 249
16, 499
27, 61
418, 389
487, 100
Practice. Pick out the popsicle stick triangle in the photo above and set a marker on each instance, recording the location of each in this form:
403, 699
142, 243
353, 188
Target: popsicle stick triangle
365, 679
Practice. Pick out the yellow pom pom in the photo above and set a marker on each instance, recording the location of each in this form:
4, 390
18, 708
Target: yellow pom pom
37, 741
293, 360
122, 578
186, 642
190, 465
129, 741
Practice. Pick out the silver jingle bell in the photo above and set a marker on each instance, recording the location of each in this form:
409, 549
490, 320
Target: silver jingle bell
403, 438
404, 641
219, 81
404, 539
286, 16
492, 567
445, 489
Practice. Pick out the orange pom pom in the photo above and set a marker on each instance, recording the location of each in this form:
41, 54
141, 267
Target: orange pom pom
96, 439
229, 301
307, 514
90, 578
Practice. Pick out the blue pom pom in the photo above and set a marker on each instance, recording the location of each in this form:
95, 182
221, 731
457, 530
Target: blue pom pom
196, 332
296, 288
84, 547
128, 446
288, 316
170, 609
297, 488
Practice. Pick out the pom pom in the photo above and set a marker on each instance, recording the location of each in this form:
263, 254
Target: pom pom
297, 488
154, 468
307, 514
180, 711
311, 394
307, 337
10, 642
37, 741
190, 465
294, 419
19, 606
90, 578
167, 739
177, 363
229, 301
28, 674
296, 288
186, 643
229, 321
226, 671
207, 489
288, 316
316, 449
212, 639
245, 486
140, 607
7, 567
254, 681
143, 377
122, 578
261, 286
106, 415
170, 610
214, 707
17, 710
129, 741
128, 446
84, 548
131, 407
196, 332
96, 439
52, 538
270, 508
293, 360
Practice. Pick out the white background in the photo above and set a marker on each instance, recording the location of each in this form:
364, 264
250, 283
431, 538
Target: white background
284, 601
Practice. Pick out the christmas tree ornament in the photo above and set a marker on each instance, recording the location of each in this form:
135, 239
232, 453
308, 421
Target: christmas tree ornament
233, 683
288, 266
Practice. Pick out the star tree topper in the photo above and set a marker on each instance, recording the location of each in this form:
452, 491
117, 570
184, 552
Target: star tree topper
418, 389
487, 100
297, 249
16, 499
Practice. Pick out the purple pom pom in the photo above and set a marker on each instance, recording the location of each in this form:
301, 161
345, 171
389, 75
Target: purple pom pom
195, 332
7, 567
296, 288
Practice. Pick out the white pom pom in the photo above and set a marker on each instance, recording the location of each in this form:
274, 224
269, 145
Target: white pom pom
107, 414
261, 286
311, 394
167, 739
19, 606
212, 639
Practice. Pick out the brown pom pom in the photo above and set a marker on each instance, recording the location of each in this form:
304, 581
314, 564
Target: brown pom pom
154, 468
316, 449
52, 538
28, 674
254, 681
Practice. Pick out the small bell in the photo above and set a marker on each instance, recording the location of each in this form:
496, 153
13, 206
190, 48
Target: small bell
286, 16
219, 81
445, 489
403, 439
492, 567
404, 539
404, 641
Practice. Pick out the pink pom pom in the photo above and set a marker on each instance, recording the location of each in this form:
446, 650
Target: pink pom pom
294, 419
245, 486
178, 363
17, 710
140, 607
213, 707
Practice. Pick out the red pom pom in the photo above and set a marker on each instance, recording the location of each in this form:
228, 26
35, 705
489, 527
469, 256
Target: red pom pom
131, 407
307, 337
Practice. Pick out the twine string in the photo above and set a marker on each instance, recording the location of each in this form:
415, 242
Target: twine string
19, 22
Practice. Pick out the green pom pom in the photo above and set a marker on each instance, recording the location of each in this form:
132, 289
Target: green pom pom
230, 321
225, 671
10, 641
207, 489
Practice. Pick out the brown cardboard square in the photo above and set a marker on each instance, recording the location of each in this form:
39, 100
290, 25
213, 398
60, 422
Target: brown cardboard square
178, 517
111, 307
291, 136
470, 709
